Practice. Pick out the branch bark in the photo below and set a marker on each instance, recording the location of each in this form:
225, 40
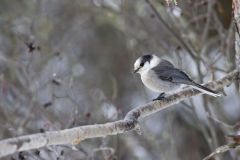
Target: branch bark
130, 122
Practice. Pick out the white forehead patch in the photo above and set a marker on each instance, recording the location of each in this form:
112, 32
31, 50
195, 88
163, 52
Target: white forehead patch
137, 63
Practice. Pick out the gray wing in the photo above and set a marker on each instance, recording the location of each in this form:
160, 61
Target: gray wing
167, 72
165, 63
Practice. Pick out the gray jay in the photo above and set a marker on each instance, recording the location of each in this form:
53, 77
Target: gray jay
161, 76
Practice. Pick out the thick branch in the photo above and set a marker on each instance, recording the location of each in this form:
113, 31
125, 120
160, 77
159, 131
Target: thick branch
77, 134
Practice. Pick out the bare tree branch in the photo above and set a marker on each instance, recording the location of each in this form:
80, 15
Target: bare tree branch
77, 134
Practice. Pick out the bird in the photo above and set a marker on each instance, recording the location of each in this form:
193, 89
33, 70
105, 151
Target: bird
162, 76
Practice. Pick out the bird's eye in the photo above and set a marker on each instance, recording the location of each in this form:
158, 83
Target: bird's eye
141, 64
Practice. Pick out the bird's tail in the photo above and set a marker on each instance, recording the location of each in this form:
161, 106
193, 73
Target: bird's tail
205, 89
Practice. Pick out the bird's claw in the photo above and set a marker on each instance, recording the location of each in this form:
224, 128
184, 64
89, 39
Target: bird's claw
160, 97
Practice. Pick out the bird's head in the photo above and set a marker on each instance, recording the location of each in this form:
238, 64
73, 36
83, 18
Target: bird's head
145, 63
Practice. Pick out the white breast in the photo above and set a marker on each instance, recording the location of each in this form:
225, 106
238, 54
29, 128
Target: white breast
151, 81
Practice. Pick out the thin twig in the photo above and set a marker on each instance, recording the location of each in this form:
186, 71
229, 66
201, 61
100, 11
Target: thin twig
170, 30
221, 150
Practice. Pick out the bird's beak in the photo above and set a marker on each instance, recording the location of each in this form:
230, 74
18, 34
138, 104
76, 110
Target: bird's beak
136, 70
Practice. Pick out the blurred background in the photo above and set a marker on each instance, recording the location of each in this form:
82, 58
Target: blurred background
69, 63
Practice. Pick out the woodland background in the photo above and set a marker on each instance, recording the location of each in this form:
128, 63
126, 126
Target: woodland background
69, 63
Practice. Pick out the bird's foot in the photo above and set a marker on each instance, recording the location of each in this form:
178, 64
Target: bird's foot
160, 97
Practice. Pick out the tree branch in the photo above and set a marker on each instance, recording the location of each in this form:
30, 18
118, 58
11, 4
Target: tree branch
222, 149
77, 134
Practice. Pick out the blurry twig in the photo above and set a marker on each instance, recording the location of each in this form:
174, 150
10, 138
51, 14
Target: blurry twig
203, 129
219, 122
107, 152
171, 1
234, 17
206, 27
170, 30
222, 149
236, 26
114, 87
214, 140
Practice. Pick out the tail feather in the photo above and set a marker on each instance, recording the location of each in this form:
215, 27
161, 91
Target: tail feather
205, 90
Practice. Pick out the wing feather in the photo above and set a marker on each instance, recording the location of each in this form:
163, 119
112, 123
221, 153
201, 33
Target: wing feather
167, 72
